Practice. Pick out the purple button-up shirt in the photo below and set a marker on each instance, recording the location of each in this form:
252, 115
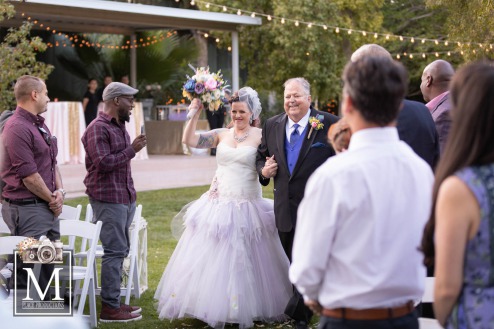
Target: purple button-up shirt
108, 155
29, 148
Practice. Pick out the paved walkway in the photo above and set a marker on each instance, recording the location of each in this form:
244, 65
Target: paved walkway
158, 172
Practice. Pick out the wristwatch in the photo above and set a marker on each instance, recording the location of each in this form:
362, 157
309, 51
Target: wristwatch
62, 191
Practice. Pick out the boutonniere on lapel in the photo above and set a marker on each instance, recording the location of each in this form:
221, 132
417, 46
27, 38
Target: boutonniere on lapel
315, 123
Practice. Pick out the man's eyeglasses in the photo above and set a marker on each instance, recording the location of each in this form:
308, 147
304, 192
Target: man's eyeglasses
46, 137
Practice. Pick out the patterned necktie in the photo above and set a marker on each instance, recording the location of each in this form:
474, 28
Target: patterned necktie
295, 135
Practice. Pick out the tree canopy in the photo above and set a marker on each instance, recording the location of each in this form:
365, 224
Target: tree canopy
18, 57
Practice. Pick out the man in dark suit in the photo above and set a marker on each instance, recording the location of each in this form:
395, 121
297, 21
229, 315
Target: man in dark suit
417, 129
415, 124
292, 147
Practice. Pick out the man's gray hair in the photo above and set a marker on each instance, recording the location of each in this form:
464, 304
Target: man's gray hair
370, 49
304, 83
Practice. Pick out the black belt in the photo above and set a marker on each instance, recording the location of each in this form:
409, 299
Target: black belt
25, 202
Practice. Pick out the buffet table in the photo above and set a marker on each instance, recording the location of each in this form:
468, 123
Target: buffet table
66, 121
165, 136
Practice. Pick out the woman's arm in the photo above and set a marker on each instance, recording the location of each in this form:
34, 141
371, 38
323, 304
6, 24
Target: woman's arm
457, 220
191, 138
85, 100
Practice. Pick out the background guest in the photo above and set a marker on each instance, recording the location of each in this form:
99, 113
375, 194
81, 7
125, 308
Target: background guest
106, 81
460, 225
355, 256
125, 79
434, 87
90, 101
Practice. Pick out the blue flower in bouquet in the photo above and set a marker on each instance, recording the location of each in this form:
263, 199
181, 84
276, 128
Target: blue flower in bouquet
190, 85
199, 89
207, 86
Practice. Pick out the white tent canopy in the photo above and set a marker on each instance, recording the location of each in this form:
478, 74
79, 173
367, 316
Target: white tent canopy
99, 16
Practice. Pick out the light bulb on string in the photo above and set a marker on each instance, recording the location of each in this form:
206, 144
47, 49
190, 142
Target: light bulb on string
436, 42
387, 36
411, 56
207, 5
325, 27
437, 54
423, 40
269, 17
375, 35
239, 12
412, 40
364, 33
401, 38
192, 3
309, 25
206, 35
224, 8
423, 55
398, 56
296, 23
446, 43
449, 53
282, 21
253, 15
337, 30
349, 31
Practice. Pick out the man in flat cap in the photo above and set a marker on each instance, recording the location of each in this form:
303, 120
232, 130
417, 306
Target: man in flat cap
111, 192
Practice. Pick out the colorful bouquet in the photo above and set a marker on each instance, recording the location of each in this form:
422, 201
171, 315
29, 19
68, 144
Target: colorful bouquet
208, 87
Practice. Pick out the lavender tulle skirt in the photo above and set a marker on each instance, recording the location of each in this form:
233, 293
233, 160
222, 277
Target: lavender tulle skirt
228, 266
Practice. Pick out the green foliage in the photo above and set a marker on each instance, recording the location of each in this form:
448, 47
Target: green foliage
469, 22
18, 57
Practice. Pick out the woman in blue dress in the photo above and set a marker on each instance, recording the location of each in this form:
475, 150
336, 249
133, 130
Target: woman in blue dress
459, 238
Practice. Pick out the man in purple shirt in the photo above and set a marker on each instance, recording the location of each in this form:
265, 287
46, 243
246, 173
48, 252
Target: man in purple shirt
434, 87
33, 185
111, 192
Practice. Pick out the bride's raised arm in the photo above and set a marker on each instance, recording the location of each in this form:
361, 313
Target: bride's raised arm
203, 140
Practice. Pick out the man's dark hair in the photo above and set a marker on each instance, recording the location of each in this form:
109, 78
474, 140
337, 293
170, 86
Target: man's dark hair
376, 86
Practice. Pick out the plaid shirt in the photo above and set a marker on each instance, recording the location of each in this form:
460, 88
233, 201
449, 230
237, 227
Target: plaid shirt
108, 155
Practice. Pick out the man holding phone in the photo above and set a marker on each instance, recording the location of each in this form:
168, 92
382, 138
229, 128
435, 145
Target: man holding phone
111, 192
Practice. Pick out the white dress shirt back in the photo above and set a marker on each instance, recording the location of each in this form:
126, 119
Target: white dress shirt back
360, 224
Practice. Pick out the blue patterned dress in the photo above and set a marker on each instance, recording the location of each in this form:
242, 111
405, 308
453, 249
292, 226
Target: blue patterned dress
475, 305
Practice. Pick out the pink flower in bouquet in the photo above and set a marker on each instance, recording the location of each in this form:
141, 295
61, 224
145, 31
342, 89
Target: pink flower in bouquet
314, 124
211, 84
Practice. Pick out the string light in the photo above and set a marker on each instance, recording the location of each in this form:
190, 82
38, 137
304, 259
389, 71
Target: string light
336, 28
296, 23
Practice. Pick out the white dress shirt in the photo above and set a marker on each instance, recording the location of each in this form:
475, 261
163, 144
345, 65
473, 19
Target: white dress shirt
360, 224
302, 123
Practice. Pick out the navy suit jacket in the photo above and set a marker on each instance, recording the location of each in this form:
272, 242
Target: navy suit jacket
416, 128
289, 189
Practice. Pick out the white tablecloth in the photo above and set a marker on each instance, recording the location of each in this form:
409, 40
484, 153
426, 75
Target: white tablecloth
66, 121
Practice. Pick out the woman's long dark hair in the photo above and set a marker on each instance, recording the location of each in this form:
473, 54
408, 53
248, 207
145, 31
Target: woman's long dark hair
471, 138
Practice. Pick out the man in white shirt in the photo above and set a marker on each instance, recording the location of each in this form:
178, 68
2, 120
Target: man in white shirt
355, 254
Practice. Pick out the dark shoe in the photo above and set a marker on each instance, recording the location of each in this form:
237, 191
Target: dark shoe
301, 325
131, 309
213, 152
109, 314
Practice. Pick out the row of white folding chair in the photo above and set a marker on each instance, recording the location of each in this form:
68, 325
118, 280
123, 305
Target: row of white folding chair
132, 287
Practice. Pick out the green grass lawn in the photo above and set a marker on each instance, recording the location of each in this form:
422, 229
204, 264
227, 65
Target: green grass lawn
158, 208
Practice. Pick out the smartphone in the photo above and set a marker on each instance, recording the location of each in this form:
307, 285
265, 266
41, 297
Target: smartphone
142, 130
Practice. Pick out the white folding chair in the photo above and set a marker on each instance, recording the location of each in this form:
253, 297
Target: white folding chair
7, 246
428, 297
86, 273
70, 213
132, 286
4, 229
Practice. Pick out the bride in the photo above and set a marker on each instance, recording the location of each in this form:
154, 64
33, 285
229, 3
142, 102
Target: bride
229, 265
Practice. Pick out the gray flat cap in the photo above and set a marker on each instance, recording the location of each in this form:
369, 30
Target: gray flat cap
116, 89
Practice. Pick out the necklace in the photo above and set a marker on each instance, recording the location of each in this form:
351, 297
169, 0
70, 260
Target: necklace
240, 139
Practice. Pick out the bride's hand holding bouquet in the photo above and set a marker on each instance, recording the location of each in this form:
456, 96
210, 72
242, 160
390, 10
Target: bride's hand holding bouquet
195, 108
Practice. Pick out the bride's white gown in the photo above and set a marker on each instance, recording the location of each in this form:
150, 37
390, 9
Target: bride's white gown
229, 265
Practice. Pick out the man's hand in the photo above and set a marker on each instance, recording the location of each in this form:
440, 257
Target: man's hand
139, 143
314, 306
270, 168
56, 203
